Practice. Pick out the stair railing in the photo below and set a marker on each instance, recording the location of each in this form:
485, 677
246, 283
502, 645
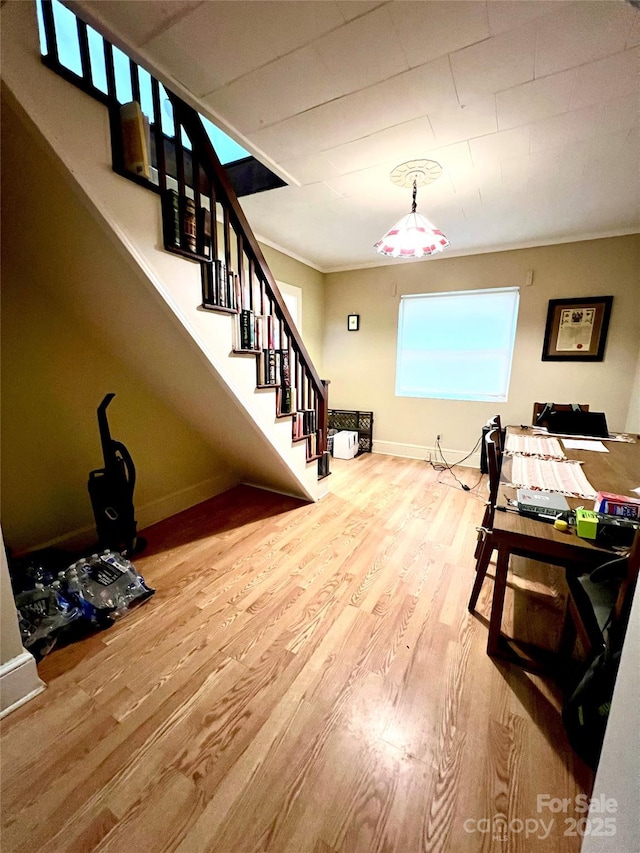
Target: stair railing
254, 276
196, 178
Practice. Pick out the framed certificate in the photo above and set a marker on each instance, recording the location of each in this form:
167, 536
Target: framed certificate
577, 329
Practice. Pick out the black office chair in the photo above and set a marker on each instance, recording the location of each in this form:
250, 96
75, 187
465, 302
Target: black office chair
585, 710
599, 602
541, 409
496, 423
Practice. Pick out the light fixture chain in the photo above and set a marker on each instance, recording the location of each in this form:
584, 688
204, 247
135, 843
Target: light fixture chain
415, 193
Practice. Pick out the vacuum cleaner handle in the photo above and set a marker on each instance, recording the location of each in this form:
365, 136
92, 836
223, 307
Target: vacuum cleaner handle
128, 466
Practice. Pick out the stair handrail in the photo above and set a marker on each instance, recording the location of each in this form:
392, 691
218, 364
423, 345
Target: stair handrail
189, 119
313, 390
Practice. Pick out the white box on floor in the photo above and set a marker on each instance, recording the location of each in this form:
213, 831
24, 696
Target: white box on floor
345, 444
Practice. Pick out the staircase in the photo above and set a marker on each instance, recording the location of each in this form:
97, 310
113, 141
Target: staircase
254, 355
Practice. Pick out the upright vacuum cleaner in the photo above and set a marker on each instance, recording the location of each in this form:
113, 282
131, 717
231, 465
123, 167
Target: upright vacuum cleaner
111, 492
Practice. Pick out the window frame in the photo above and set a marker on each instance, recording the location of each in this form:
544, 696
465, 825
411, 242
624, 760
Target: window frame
473, 394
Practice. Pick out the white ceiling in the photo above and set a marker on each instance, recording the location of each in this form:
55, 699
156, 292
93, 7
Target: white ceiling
531, 108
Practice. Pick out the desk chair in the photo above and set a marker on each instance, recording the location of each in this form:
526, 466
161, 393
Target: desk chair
599, 602
585, 711
486, 548
496, 423
492, 428
538, 408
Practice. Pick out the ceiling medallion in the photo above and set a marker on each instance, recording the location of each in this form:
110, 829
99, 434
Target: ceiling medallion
413, 236
422, 172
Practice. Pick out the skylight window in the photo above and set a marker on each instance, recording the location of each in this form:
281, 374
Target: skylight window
67, 37
69, 56
44, 50
96, 60
227, 149
122, 73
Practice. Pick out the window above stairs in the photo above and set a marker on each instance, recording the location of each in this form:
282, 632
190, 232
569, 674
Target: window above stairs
79, 53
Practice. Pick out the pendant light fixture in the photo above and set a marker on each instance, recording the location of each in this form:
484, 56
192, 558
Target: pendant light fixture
413, 236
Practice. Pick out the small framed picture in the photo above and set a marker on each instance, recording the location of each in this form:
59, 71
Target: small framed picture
353, 322
577, 329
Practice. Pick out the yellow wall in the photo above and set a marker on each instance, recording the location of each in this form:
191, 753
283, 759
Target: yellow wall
361, 365
633, 418
311, 281
55, 372
288, 270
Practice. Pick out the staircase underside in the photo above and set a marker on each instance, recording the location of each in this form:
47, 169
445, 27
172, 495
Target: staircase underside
149, 310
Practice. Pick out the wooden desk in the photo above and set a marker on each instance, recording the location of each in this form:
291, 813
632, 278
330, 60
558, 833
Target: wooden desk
617, 471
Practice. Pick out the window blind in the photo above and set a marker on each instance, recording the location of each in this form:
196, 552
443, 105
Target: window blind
457, 345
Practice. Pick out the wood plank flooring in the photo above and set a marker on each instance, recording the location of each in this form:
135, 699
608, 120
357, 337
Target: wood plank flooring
306, 680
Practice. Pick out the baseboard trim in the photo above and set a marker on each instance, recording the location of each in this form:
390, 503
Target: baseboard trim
176, 502
19, 682
146, 514
418, 451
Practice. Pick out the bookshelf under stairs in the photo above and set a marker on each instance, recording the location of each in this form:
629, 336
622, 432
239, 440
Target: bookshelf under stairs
166, 149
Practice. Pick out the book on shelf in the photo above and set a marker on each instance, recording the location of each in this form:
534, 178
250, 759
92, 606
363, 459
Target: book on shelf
231, 288
297, 425
261, 337
135, 135
323, 464
208, 284
271, 342
171, 220
304, 423
309, 421
285, 368
267, 364
237, 300
204, 232
247, 330
287, 400
189, 239
312, 445
270, 366
221, 284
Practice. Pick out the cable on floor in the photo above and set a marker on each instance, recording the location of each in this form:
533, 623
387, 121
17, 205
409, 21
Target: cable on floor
446, 466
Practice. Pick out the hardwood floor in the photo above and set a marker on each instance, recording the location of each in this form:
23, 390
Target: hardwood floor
307, 679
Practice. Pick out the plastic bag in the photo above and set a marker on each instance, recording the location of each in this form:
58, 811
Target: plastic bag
88, 595
105, 585
44, 613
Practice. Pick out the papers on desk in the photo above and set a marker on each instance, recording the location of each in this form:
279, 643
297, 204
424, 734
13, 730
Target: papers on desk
584, 444
613, 436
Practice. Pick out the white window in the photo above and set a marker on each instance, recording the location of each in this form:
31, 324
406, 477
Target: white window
457, 346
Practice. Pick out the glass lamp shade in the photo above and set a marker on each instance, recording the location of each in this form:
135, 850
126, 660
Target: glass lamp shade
412, 237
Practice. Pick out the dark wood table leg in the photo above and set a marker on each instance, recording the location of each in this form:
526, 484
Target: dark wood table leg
500, 585
535, 660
